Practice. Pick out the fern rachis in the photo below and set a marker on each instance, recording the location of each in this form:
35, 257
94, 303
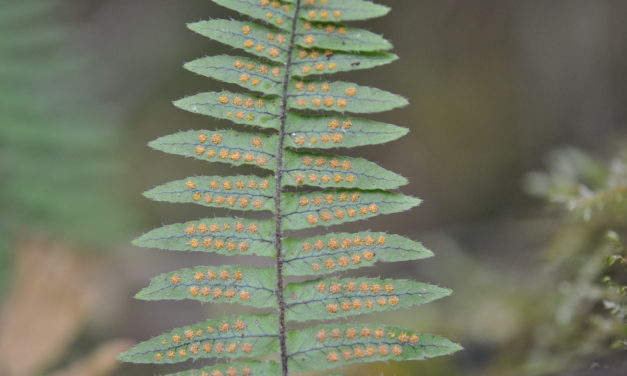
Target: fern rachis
297, 40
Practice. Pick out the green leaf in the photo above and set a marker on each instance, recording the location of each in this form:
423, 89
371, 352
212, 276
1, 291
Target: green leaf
251, 37
324, 132
235, 369
246, 72
340, 96
229, 337
328, 171
239, 108
330, 253
307, 62
331, 346
332, 298
338, 37
230, 284
225, 236
327, 208
226, 146
342, 10
271, 11
232, 192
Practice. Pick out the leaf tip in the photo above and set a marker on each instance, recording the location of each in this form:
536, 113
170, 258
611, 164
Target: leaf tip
386, 44
427, 253
140, 241
412, 202
443, 292
194, 26
126, 356
156, 144
402, 181
179, 103
142, 294
189, 66
151, 194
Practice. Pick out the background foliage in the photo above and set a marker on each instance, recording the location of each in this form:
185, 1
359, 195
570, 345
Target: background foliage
58, 196
494, 86
56, 147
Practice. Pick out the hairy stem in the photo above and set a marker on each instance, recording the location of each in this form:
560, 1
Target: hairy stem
278, 195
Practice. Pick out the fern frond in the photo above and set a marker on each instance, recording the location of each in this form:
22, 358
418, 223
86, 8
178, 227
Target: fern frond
330, 171
343, 251
325, 132
292, 44
330, 346
330, 298
243, 109
233, 192
227, 236
243, 285
229, 337
327, 208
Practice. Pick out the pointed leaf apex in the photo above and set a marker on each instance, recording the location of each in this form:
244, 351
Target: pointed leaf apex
126, 356
178, 103
442, 292
154, 144
138, 241
193, 25
141, 295
149, 194
413, 201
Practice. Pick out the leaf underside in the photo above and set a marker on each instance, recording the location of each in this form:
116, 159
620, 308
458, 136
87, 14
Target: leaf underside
230, 337
288, 122
331, 346
329, 298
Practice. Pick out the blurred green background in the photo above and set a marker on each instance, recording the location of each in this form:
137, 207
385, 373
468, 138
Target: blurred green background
498, 91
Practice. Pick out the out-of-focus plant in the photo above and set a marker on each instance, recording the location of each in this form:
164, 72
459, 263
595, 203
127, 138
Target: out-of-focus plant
588, 187
587, 256
56, 149
616, 280
58, 171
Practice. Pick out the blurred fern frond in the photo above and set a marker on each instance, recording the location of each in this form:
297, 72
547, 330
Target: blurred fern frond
57, 148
